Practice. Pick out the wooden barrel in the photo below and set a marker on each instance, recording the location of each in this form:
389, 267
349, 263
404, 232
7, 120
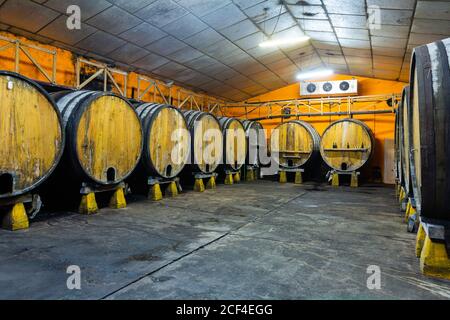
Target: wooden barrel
234, 143
297, 145
103, 135
166, 139
31, 135
398, 143
206, 141
347, 145
405, 143
256, 142
430, 129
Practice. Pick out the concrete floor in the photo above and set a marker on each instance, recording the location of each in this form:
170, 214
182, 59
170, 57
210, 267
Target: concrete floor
257, 240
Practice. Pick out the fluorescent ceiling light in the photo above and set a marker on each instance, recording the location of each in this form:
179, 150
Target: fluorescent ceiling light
315, 74
281, 42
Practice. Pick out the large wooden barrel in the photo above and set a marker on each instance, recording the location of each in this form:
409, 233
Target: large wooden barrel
297, 144
103, 135
166, 139
31, 135
405, 143
398, 145
430, 129
256, 142
206, 141
347, 145
234, 143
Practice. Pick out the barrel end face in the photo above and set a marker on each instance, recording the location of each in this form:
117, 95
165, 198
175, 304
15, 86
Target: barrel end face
298, 177
199, 186
434, 261
155, 193
88, 204
211, 184
16, 218
172, 189
118, 200
283, 177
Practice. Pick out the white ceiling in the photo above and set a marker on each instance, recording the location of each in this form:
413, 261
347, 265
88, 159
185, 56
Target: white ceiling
212, 45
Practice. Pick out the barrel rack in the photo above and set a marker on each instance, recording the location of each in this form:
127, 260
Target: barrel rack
199, 185
88, 203
282, 172
333, 177
172, 190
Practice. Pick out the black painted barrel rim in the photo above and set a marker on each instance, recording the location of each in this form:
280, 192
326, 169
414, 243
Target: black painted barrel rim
74, 121
315, 136
147, 122
61, 127
362, 124
225, 125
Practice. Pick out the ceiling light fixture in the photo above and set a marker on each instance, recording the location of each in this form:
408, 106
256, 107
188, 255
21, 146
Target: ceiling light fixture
281, 42
315, 74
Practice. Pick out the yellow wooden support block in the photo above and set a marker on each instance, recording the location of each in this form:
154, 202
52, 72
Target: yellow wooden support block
229, 179
211, 184
199, 186
250, 175
408, 209
118, 200
354, 180
172, 189
237, 177
434, 261
16, 218
412, 211
420, 239
298, 178
155, 193
283, 177
335, 180
88, 204
402, 195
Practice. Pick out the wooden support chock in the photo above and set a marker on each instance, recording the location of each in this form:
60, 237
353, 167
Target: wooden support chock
237, 177
420, 239
402, 195
155, 193
434, 261
250, 175
211, 184
88, 204
199, 186
172, 189
283, 177
354, 180
335, 179
229, 179
298, 177
118, 199
16, 218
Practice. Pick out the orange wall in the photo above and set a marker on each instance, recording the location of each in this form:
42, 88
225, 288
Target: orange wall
66, 69
382, 125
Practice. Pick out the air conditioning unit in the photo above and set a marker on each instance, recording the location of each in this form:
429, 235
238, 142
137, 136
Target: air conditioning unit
329, 88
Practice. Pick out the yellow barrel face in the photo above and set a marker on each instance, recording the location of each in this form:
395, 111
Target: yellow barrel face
30, 135
346, 146
168, 142
108, 139
295, 144
208, 143
236, 145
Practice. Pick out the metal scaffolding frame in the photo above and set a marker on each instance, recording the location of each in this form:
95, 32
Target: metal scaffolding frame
153, 88
20, 46
102, 69
332, 106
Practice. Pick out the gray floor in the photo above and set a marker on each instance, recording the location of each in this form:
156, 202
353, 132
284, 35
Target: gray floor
257, 240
